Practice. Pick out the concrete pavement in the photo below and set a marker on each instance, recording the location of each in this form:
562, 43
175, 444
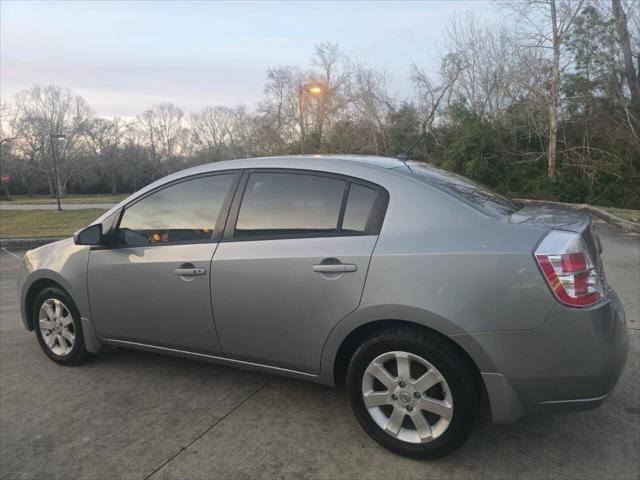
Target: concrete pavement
129, 414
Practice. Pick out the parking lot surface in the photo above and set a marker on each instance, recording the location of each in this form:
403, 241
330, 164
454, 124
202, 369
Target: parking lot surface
129, 414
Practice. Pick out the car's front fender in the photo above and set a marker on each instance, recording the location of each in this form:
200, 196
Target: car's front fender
63, 263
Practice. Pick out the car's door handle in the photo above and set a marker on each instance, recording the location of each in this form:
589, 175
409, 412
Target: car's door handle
337, 268
190, 272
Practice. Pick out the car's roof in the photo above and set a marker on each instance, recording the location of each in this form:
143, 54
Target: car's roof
300, 161
372, 160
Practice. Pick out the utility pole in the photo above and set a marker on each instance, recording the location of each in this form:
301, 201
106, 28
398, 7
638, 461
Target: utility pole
312, 89
301, 121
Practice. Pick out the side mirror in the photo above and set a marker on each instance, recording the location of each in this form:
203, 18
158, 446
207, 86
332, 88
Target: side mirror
91, 235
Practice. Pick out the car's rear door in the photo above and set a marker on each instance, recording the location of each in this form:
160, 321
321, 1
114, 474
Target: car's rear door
152, 286
292, 263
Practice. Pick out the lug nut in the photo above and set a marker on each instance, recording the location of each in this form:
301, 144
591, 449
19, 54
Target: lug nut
409, 408
394, 397
416, 394
402, 384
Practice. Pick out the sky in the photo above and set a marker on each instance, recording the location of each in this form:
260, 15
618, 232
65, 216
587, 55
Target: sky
124, 56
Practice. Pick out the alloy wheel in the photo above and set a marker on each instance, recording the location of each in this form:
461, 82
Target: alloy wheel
56, 327
407, 397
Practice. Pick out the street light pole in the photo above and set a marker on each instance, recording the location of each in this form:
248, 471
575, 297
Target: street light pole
54, 157
301, 120
313, 89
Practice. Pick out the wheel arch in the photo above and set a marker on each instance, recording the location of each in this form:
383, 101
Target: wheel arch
351, 342
32, 293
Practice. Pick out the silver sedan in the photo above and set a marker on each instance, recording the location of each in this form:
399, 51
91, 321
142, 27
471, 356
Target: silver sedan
424, 293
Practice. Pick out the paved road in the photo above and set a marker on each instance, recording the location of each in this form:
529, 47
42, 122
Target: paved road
53, 206
138, 415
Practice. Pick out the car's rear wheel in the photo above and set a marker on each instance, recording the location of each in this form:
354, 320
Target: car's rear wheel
413, 393
58, 328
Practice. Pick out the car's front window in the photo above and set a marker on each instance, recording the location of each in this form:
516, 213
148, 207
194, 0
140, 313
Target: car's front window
184, 212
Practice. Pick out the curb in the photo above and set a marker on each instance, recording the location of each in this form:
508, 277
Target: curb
22, 243
625, 225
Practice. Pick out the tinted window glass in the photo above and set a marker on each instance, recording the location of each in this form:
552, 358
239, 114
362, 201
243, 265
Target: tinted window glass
289, 204
359, 206
184, 212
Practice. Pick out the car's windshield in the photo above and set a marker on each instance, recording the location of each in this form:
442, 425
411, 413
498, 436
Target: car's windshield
475, 194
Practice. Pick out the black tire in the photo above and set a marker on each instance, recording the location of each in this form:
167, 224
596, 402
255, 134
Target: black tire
78, 352
453, 366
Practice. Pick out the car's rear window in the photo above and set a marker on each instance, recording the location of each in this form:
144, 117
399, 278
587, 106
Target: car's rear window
286, 204
476, 195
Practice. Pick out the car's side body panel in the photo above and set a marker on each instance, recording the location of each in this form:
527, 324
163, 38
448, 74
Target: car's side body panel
438, 255
269, 304
136, 295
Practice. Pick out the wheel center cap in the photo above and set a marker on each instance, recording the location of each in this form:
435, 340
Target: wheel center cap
405, 397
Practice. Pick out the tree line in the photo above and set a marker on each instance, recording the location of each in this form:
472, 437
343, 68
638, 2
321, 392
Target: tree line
543, 104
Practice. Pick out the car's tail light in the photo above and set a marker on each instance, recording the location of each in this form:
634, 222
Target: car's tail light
569, 270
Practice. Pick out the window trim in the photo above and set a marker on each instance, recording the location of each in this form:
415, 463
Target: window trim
216, 234
374, 222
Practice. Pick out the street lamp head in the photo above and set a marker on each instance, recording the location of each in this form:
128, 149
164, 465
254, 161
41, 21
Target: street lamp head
312, 88
58, 136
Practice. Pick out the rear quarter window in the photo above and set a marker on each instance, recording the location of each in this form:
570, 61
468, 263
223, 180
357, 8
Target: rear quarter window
359, 208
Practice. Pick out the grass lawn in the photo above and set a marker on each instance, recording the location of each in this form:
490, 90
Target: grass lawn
40, 199
45, 223
631, 215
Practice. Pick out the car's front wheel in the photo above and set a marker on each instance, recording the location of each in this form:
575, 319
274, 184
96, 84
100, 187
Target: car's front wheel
58, 328
413, 393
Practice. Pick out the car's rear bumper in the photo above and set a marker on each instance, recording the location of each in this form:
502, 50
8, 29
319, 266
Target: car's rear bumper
572, 362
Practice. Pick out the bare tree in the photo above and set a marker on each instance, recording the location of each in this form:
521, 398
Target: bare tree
631, 118
7, 130
433, 96
281, 104
630, 70
371, 109
335, 74
7, 135
494, 70
104, 138
212, 130
160, 127
549, 23
43, 111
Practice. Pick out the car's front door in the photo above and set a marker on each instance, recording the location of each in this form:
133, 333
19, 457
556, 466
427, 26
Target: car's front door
152, 286
292, 264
